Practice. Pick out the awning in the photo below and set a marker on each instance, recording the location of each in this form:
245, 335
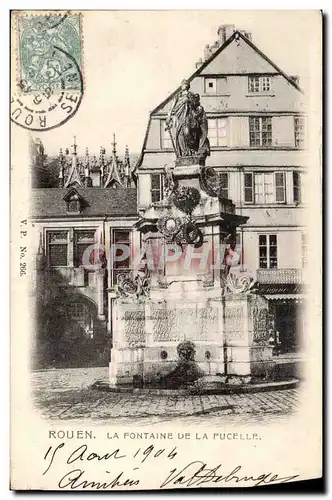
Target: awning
289, 289
286, 296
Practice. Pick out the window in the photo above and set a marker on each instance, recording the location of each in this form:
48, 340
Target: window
73, 204
268, 251
260, 131
299, 127
259, 84
58, 248
120, 237
210, 86
217, 131
156, 187
78, 311
296, 187
262, 188
165, 138
304, 246
249, 188
280, 187
265, 83
82, 240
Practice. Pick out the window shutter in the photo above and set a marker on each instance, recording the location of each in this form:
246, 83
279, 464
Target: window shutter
156, 188
280, 187
296, 187
238, 131
248, 188
283, 131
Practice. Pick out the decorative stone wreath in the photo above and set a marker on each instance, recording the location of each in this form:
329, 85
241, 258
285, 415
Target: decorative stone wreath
186, 198
211, 181
169, 225
193, 235
178, 229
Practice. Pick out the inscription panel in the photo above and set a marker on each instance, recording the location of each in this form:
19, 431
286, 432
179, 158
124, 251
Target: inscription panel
191, 323
134, 334
234, 322
260, 324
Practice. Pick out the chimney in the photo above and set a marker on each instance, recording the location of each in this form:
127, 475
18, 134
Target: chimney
215, 46
207, 52
295, 79
246, 34
225, 31
199, 63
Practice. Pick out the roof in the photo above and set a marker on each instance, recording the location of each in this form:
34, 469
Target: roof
215, 54
237, 34
50, 202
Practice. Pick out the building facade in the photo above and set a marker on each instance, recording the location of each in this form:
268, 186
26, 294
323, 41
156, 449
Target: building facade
257, 133
91, 204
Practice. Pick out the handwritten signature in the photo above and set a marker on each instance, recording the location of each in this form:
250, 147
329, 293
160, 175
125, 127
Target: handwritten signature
197, 473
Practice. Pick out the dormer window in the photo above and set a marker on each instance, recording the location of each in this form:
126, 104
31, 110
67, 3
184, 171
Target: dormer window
75, 202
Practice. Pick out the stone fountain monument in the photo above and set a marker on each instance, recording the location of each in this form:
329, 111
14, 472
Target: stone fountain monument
187, 314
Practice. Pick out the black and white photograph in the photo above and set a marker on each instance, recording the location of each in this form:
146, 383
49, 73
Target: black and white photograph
169, 165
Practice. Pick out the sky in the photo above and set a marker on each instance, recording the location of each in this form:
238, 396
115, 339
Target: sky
135, 59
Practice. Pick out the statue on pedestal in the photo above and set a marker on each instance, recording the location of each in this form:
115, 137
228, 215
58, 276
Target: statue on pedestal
187, 125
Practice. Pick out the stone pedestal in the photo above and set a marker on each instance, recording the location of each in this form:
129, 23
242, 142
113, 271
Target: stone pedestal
147, 336
247, 351
187, 175
187, 304
230, 335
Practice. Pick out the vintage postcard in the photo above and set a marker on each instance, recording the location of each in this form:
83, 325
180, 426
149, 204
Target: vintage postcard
166, 325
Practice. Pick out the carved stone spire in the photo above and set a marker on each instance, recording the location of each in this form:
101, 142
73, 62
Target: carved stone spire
87, 179
102, 164
74, 177
61, 169
113, 177
74, 146
127, 167
114, 145
40, 256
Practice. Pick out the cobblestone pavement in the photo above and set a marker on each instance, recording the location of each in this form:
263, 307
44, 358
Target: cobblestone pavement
66, 395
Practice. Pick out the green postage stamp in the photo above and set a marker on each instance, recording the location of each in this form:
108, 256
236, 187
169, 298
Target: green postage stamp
49, 81
48, 47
